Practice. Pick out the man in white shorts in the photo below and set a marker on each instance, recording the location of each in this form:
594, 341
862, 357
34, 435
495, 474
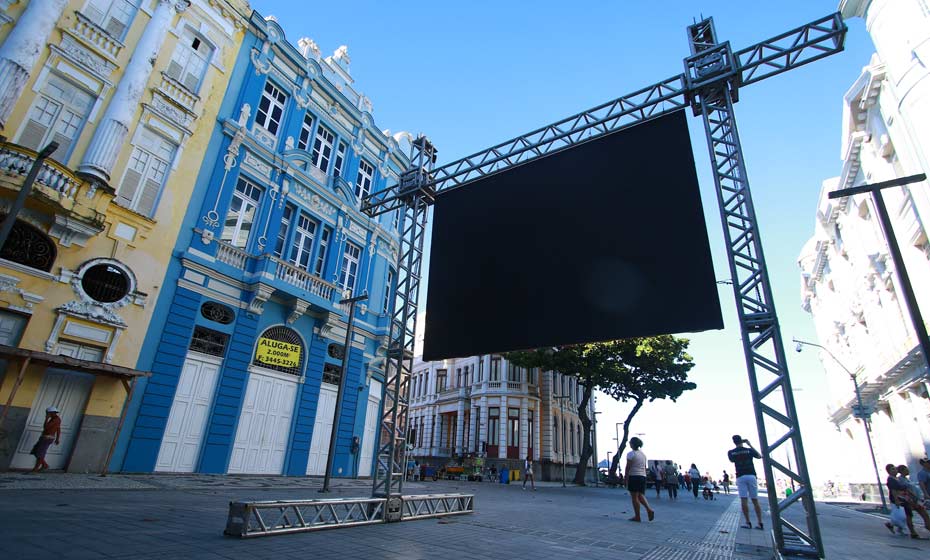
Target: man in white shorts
746, 484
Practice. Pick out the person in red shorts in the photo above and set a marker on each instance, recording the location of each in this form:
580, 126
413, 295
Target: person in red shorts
51, 432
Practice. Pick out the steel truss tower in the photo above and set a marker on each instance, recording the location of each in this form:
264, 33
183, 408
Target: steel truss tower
413, 199
710, 85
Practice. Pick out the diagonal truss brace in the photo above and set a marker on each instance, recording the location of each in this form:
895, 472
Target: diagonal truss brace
789, 50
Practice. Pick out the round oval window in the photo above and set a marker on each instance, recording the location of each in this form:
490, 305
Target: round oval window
105, 283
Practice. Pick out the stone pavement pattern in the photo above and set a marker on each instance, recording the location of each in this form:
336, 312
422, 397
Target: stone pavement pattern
154, 516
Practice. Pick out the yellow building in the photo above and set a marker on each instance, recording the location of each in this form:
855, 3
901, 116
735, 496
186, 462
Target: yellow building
129, 90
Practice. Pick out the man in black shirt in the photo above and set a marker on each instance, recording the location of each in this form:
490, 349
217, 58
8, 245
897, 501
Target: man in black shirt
746, 484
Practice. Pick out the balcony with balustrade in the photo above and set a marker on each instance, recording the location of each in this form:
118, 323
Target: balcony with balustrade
278, 276
56, 190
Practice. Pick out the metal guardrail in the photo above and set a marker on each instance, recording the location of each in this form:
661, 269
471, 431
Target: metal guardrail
278, 517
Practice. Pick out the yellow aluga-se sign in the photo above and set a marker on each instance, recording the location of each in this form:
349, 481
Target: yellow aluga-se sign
277, 353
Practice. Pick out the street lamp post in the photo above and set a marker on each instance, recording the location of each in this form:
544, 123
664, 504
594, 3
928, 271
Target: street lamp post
350, 301
562, 427
594, 448
866, 416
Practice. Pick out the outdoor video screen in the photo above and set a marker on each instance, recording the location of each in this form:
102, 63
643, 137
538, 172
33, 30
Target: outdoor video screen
603, 241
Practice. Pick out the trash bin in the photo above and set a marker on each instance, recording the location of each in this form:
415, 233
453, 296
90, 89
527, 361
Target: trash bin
505, 475
514, 475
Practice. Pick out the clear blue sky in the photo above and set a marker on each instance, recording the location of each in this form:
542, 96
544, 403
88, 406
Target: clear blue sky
472, 74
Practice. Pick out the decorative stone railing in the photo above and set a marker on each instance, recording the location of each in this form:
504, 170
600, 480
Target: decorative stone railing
95, 36
233, 256
53, 178
303, 280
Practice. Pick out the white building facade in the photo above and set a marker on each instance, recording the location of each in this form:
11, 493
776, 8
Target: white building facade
484, 406
849, 284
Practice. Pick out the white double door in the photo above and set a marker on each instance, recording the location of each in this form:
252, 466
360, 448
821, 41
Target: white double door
322, 430
190, 410
66, 390
264, 423
372, 422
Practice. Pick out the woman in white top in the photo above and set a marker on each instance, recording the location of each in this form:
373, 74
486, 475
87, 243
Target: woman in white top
695, 475
528, 473
636, 479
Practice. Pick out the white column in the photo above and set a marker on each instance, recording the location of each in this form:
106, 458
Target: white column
538, 439
460, 427
21, 50
524, 428
110, 134
900, 30
483, 422
502, 428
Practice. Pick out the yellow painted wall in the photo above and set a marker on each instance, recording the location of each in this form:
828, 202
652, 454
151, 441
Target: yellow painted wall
148, 254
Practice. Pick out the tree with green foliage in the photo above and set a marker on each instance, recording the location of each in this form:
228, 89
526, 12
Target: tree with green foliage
649, 368
639, 369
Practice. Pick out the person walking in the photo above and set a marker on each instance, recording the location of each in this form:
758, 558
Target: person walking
747, 486
915, 495
900, 497
681, 481
671, 479
528, 473
51, 432
636, 480
688, 479
659, 477
726, 482
695, 475
923, 477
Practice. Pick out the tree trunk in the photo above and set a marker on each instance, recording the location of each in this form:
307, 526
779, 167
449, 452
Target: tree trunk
586, 448
626, 433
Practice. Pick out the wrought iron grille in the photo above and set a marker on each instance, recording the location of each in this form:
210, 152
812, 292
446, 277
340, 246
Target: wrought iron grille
332, 374
105, 283
29, 246
209, 341
290, 336
217, 312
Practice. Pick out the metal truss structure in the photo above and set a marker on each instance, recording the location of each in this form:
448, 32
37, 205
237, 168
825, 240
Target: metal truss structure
414, 199
709, 85
266, 518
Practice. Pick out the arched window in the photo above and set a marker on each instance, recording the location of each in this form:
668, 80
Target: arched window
30, 246
281, 349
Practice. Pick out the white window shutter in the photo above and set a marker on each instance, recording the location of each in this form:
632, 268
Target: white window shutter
149, 195
93, 13
191, 81
32, 134
115, 27
64, 144
174, 70
127, 190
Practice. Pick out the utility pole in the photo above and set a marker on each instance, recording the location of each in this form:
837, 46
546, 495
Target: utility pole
24, 191
920, 329
351, 301
863, 414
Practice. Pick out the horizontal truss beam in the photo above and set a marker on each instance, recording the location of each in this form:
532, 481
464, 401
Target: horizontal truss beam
267, 518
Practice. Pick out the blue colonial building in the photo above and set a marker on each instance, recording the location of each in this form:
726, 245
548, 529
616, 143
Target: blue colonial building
247, 343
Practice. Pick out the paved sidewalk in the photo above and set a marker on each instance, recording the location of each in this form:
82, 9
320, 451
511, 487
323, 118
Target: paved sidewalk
183, 516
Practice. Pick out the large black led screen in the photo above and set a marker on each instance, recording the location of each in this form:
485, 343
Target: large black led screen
602, 241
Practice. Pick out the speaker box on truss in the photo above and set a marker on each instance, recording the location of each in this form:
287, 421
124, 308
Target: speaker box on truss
602, 241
